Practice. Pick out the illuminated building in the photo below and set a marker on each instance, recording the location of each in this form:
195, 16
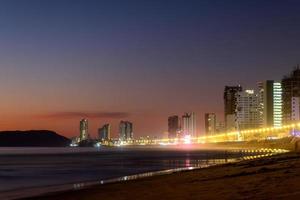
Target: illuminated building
230, 106
230, 122
126, 130
84, 135
220, 127
247, 112
270, 97
104, 132
74, 141
277, 104
173, 126
290, 88
210, 123
189, 124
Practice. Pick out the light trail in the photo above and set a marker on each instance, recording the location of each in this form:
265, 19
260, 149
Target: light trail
235, 136
259, 134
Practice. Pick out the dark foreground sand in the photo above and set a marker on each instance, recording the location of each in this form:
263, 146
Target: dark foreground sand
277, 177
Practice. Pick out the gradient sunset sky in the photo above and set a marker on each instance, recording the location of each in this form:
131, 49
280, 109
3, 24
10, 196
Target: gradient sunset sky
137, 60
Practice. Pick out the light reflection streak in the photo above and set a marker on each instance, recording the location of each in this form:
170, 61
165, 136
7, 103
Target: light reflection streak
188, 167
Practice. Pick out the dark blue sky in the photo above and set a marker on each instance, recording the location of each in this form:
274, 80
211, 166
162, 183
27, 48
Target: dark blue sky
146, 59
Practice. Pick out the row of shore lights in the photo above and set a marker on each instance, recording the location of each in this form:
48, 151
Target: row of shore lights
259, 130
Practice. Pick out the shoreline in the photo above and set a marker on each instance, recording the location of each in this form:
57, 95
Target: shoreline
138, 188
214, 156
22, 193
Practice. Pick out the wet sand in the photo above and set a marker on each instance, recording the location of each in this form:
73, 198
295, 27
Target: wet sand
276, 177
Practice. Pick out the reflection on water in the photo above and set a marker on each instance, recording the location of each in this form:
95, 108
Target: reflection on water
29, 174
197, 164
187, 162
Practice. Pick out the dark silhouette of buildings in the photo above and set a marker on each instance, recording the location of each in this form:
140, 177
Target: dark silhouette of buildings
230, 93
173, 126
126, 130
290, 89
104, 132
210, 123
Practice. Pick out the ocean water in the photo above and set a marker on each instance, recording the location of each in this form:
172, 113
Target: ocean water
31, 171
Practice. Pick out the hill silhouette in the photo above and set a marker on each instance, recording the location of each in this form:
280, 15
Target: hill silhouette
32, 138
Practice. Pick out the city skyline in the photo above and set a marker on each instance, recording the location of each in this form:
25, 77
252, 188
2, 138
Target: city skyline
141, 99
62, 61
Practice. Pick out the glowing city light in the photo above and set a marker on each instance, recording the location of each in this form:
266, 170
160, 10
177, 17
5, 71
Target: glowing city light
187, 139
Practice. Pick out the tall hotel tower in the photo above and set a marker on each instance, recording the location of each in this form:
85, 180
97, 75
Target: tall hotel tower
230, 94
104, 132
210, 123
247, 111
126, 130
290, 92
270, 95
173, 126
84, 135
189, 124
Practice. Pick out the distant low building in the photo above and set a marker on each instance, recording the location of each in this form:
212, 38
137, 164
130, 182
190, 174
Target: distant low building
75, 141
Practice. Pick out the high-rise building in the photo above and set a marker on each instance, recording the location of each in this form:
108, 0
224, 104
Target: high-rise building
210, 123
277, 104
126, 130
290, 88
230, 106
84, 134
295, 108
173, 126
247, 116
104, 132
270, 103
220, 127
261, 97
189, 124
